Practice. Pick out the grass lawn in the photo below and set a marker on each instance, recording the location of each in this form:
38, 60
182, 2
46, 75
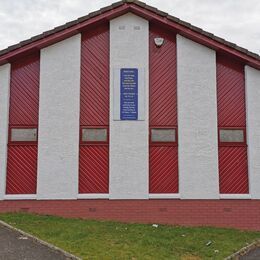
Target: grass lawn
112, 240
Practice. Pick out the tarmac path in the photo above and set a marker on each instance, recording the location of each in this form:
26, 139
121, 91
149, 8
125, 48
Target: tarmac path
15, 246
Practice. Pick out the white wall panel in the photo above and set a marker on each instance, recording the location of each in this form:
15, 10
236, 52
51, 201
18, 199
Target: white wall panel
197, 121
252, 77
58, 150
5, 71
129, 156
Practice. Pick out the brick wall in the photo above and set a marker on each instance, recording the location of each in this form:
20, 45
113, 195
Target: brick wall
242, 214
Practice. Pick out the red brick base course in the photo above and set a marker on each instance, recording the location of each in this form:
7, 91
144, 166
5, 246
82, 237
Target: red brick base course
242, 214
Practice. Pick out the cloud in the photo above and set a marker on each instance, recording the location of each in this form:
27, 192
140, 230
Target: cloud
235, 20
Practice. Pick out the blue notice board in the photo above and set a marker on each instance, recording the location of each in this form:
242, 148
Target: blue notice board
129, 94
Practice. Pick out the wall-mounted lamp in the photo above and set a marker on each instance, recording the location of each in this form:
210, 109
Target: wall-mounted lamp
158, 41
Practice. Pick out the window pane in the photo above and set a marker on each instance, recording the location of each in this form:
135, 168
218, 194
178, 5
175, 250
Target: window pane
24, 134
231, 135
94, 135
163, 135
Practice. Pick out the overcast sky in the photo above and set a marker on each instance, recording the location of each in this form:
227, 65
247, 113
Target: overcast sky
237, 21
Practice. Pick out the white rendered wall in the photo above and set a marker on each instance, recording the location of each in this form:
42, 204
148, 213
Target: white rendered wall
5, 71
197, 121
129, 170
252, 77
58, 141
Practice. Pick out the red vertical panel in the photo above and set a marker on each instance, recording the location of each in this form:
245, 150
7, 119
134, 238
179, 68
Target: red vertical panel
21, 169
94, 97
230, 93
163, 79
23, 112
233, 170
163, 160
94, 108
233, 167
93, 163
24, 91
163, 169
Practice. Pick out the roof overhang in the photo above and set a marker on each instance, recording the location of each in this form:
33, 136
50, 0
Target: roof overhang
147, 12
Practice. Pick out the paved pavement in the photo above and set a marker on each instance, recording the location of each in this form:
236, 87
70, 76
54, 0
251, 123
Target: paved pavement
14, 246
253, 254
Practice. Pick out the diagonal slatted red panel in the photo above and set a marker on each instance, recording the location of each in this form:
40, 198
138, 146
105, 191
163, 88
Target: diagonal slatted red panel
94, 99
93, 169
163, 160
24, 91
233, 170
230, 93
163, 169
94, 108
21, 170
163, 79
23, 111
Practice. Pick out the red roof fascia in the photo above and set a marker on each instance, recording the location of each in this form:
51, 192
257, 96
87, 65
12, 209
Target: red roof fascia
138, 10
63, 34
195, 36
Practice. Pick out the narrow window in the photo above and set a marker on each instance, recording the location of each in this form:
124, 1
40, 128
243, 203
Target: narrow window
23, 134
94, 135
232, 136
163, 135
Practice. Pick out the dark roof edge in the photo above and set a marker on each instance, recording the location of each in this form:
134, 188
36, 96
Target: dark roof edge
116, 5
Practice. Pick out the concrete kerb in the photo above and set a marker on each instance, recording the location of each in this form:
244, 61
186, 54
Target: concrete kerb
243, 250
52, 247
